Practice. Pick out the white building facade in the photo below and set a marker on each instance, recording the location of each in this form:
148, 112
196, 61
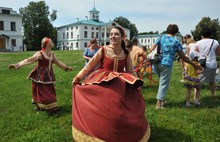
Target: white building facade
11, 38
149, 39
76, 36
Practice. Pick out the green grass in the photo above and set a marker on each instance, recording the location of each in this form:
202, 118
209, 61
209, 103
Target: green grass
20, 123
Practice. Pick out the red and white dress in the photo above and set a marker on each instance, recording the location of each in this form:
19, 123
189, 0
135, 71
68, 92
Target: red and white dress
107, 105
43, 89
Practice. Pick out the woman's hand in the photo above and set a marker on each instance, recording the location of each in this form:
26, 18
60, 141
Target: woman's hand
198, 67
75, 81
200, 71
67, 68
14, 66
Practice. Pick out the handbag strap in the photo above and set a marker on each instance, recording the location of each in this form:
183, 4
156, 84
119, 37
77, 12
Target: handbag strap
159, 44
210, 48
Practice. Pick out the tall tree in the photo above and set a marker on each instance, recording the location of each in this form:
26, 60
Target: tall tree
124, 22
37, 24
207, 22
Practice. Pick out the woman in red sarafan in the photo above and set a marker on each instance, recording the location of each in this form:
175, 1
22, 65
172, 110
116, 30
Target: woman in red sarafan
42, 76
108, 105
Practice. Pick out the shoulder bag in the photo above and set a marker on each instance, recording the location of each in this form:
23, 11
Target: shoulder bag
155, 55
202, 61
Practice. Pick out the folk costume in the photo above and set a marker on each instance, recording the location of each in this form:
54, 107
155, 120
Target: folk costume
107, 105
43, 78
43, 89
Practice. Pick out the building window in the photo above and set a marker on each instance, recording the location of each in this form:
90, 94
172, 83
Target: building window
107, 34
13, 26
76, 27
63, 35
103, 34
71, 35
71, 28
141, 40
77, 44
97, 35
92, 28
97, 28
153, 40
67, 29
4, 11
13, 42
92, 35
85, 34
1, 25
85, 44
148, 40
67, 35
85, 27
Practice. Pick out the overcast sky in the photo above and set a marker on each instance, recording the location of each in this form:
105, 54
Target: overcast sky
147, 15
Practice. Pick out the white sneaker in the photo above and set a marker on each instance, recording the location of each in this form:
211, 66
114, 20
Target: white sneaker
188, 105
197, 103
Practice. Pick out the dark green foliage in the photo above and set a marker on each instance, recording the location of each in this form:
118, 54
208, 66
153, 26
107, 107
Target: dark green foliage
124, 22
213, 24
37, 25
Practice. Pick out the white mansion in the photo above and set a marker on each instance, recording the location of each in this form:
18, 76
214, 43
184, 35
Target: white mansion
76, 36
11, 38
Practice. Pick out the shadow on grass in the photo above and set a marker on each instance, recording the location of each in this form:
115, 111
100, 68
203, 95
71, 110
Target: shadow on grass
161, 134
65, 110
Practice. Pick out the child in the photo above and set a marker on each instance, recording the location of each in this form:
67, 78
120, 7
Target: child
191, 80
42, 76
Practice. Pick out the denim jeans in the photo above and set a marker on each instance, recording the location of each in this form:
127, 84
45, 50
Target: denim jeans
164, 74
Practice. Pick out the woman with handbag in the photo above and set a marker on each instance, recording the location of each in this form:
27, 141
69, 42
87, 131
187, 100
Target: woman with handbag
208, 48
169, 47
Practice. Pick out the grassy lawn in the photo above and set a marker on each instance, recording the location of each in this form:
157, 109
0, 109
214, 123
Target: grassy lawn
20, 123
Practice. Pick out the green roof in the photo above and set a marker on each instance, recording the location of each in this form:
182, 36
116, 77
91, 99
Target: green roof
88, 22
93, 10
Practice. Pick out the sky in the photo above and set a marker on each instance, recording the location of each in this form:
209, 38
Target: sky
147, 15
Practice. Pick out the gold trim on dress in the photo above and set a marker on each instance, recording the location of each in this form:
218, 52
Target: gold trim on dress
146, 135
48, 106
81, 137
117, 56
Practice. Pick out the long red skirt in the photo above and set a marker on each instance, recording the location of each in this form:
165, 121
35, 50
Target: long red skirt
44, 96
111, 111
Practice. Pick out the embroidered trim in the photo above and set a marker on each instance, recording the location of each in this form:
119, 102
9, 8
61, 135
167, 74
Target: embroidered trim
81, 137
48, 106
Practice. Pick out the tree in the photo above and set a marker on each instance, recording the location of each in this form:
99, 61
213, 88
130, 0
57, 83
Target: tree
146, 33
37, 24
124, 22
207, 22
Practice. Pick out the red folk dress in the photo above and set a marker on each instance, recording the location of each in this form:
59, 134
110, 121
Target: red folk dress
43, 89
107, 105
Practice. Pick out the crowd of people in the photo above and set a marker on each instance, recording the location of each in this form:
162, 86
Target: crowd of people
107, 101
